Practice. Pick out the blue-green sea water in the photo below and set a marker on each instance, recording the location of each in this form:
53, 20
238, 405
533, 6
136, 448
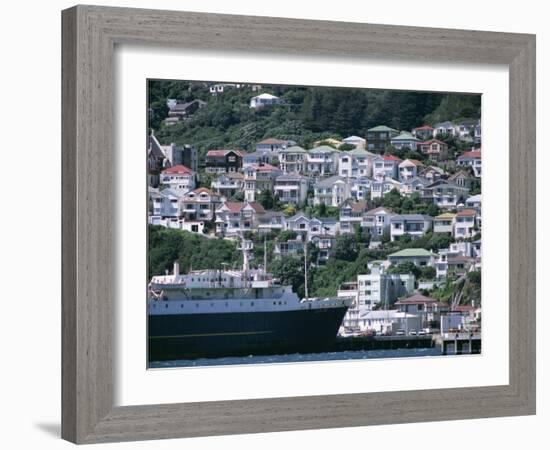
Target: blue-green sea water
309, 357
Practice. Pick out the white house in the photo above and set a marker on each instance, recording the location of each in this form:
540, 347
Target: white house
273, 145
332, 191
355, 163
293, 160
377, 221
423, 133
322, 161
351, 214
360, 188
444, 223
418, 256
414, 225
409, 169
233, 218
380, 188
228, 184
414, 185
385, 166
264, 100
474, 202
382, 288
404, 141
199, 204
389, 322
298, 223
164, 203
291, 188
465, 223
471, 159
444, 194
258, 178
356, 141
178, 178
445, 128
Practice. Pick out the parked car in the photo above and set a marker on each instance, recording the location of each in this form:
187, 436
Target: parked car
412, 333
400, 333
422, 333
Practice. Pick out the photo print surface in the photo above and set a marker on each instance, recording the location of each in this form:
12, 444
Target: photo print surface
296, 223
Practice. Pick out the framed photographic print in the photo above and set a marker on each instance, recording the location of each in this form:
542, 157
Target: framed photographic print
307, 220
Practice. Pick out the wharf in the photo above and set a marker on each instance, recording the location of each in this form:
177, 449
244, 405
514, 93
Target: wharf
355, 343
459, 343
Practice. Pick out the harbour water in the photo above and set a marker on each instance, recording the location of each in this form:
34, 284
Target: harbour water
309, 357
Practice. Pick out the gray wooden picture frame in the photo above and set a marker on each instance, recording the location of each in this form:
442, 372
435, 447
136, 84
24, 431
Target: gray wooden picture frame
90, 34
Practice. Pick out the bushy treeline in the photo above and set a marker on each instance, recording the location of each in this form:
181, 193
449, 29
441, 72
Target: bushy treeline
191, 250
309, 113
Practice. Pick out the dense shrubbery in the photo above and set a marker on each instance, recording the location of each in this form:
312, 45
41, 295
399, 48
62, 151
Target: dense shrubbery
190, 249
406, 205
309, 115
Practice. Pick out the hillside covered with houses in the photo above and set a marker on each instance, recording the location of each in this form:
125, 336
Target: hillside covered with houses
381, 190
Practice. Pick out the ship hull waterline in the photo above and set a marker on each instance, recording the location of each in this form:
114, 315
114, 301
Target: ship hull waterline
194, 336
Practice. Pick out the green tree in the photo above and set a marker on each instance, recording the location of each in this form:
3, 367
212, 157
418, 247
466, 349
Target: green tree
427, 273
266, 199
345, 247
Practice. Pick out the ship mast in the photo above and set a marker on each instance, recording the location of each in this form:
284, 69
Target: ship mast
305, 269
265, 257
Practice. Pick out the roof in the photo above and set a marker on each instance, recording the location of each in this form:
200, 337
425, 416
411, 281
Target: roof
327, 182
460, 173
297, 217
439, 170
237, 175
405, 136
444, 124
264, 167
155, 147
446, 215
233, 206
423, 127
431, 141
411, 252
414, 162
203, 189
446, 182
358, 152
183, 106
324, 149
294, 149
459, 259
291, 177
266, 96
464, 308
379, 210
415, 300
170, 192
411, 217
384, 314
223, 152
270, 141
238, 206
472, 154
359, 206
382, 128
474, 198
354, 138
390, 158
255, 206
178, 169
466, 213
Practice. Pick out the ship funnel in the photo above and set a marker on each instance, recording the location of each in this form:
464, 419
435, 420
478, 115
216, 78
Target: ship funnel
176, 268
